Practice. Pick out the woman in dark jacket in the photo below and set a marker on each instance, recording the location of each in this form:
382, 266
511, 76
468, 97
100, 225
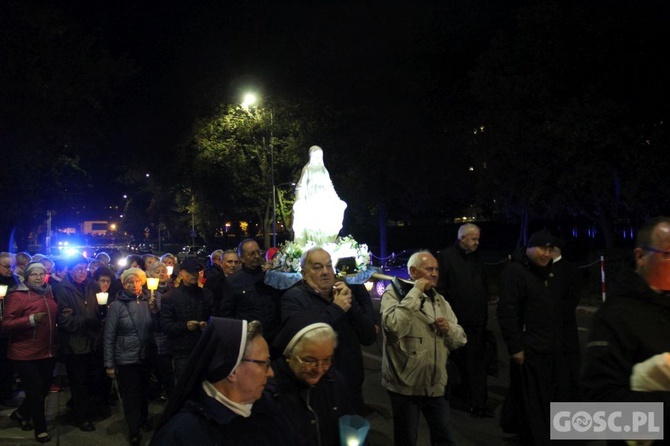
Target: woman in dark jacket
131, 321
163, 362
30, 321
310, 393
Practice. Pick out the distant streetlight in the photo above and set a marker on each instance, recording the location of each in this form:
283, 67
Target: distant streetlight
249, 100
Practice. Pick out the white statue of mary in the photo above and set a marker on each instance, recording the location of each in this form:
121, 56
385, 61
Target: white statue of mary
318, 211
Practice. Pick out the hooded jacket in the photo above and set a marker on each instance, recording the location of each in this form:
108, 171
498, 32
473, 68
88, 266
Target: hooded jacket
28, 342
415, 353
128, 327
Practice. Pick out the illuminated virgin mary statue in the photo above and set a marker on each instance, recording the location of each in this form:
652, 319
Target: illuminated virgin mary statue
318, 211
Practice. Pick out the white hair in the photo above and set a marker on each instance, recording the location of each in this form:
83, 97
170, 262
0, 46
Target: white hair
466, 229
416, 259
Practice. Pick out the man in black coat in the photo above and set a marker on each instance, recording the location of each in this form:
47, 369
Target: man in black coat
568, 280
530, 321
632, 325
184, 314
463, 284
246, 296
348, 309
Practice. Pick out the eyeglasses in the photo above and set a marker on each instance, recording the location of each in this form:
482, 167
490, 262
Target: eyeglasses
6, 266
665, 255
265, 363
314, 363
256, 252
37, 275
79, 269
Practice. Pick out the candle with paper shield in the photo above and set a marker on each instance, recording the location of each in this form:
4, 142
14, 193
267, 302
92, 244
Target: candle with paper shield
102, 298
152, 284
169, 268
353, 430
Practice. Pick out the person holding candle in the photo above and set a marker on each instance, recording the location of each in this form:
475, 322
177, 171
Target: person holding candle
311, 393
80, 333
170, 262
131, 320
184, 314
30, 322
163, 364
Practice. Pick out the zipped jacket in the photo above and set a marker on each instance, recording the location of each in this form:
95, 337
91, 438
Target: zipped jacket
415, 352
28, 341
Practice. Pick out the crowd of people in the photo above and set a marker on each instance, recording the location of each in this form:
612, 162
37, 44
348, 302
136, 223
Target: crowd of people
240, 362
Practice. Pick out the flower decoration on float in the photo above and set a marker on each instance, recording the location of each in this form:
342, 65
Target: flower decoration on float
290, 252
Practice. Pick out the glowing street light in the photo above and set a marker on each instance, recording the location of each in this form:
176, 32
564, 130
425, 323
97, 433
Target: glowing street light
249, 100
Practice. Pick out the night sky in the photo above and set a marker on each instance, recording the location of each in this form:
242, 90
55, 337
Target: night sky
120, 84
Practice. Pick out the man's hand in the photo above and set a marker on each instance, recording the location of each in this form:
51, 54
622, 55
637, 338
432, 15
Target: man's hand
202, 325
39, 317
442, 324
423, 285
342, 295
111, 373
519, 357
192, 325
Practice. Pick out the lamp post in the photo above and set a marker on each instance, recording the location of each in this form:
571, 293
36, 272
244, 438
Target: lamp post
248, 101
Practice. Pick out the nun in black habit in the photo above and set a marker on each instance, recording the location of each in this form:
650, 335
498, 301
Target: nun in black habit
220, 398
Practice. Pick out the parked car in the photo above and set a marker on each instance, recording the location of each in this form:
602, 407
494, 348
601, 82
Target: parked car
396, 266
199, 252
145, 248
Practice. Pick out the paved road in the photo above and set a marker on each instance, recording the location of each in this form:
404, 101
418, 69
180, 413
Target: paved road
468, 430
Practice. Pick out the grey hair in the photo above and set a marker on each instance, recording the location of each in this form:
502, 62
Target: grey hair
305, 255
152, 269
466, 229
318, 335
217, 254
416, 259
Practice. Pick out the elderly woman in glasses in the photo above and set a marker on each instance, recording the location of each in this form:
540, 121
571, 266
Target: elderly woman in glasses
131, 321
311, 393
220, 398
30, 321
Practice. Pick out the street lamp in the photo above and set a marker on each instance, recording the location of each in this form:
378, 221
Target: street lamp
249, 100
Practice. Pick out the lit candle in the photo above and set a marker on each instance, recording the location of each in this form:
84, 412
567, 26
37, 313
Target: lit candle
152, 283
3, 291
170, 268
353, 441
102, 298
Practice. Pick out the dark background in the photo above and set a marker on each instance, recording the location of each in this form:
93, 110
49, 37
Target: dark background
525, 114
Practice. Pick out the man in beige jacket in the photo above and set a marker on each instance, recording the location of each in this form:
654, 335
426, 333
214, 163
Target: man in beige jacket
419, 330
